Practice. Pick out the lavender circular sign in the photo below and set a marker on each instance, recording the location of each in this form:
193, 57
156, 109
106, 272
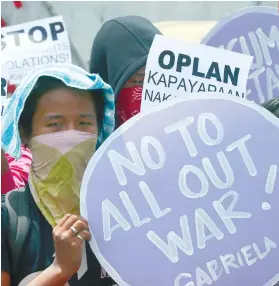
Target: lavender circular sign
253, 31
188, 194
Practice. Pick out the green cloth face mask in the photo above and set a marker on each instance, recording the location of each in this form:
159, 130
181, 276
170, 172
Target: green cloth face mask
59, 162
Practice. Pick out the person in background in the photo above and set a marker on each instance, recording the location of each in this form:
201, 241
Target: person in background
14, 173
63, 114
273, 106
119, 54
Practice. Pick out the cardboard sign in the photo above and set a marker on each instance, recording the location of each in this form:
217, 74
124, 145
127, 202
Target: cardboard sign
32, 44
253, 31
186, 194
176, 68
4, 87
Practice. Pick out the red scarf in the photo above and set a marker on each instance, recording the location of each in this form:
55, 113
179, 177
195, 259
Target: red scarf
128, 103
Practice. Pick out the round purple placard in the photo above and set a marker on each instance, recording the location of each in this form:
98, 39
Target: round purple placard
188, 194
253, 31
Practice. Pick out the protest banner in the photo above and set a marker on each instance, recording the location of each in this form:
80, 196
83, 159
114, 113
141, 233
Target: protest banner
185, 194
4, 87
32, 44
176, 68
252, 31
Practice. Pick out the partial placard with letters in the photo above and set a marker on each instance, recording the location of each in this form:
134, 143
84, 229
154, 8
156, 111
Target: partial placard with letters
175, 68
33, 44
252, 31
4, 87
187, 194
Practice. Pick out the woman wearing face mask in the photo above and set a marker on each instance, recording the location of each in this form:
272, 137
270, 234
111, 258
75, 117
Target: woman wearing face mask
61, 113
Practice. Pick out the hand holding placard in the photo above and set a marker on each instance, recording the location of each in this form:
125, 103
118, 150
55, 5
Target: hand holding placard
182, 201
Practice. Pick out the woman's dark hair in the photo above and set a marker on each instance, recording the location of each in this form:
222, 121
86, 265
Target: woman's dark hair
273, 106
46, 84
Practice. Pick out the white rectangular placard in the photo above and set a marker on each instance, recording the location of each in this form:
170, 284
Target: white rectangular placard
176, 68
32, 44
4, 87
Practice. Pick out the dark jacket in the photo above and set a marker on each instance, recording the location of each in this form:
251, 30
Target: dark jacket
120, 48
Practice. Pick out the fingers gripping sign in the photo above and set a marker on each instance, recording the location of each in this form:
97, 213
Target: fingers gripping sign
69, 236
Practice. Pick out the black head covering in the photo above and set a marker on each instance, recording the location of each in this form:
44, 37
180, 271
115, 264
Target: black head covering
121, 48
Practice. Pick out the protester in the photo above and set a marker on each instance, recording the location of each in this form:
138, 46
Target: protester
119, 56
63, 114
273, 106
14, 173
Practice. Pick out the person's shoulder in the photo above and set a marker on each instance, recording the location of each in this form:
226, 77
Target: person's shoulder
8, 198
4, 203
4, 214
3, 200
14, 204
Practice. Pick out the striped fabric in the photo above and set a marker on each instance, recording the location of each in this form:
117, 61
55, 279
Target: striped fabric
72, 76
